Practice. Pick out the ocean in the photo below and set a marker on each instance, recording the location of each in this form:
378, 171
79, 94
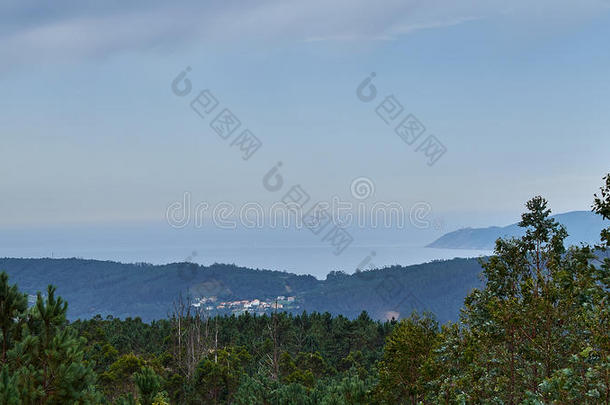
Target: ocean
297, 251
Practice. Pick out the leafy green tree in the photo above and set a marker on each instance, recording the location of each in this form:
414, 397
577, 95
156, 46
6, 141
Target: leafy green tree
537, 332
600, 320
161, 399
126, 399
406, 351
217, 377
515, 319
117, 379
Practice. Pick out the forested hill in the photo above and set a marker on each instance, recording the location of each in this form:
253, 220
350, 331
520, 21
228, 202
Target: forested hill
149, 291
582, 227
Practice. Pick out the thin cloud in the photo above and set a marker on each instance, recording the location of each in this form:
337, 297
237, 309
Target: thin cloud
83, 29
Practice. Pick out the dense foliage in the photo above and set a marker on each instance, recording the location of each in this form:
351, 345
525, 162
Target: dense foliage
280, 359
42, 360
536, 332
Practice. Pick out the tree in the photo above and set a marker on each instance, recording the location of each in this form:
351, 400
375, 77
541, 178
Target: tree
405, 353
117, 379
9, 395
13, 305
43, 358
517, 319
149, 385
217, 377
537, 332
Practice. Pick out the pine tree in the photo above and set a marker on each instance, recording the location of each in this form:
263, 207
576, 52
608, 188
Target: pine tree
149, 385
13, 305
8, 392
44, 359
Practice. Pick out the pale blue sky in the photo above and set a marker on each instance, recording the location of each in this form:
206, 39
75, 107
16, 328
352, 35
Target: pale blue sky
91, 132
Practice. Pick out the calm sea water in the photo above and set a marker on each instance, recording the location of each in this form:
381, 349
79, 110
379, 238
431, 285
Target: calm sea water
296, 251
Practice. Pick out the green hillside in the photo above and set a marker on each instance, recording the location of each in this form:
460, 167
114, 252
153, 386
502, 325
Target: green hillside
149, 291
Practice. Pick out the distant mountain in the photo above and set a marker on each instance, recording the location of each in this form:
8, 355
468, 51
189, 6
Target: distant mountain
147, 291
582, 226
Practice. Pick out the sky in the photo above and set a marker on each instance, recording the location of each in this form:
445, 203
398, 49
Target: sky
91, 131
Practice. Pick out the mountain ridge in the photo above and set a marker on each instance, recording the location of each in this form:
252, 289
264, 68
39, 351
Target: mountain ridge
582, 227
148, 291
